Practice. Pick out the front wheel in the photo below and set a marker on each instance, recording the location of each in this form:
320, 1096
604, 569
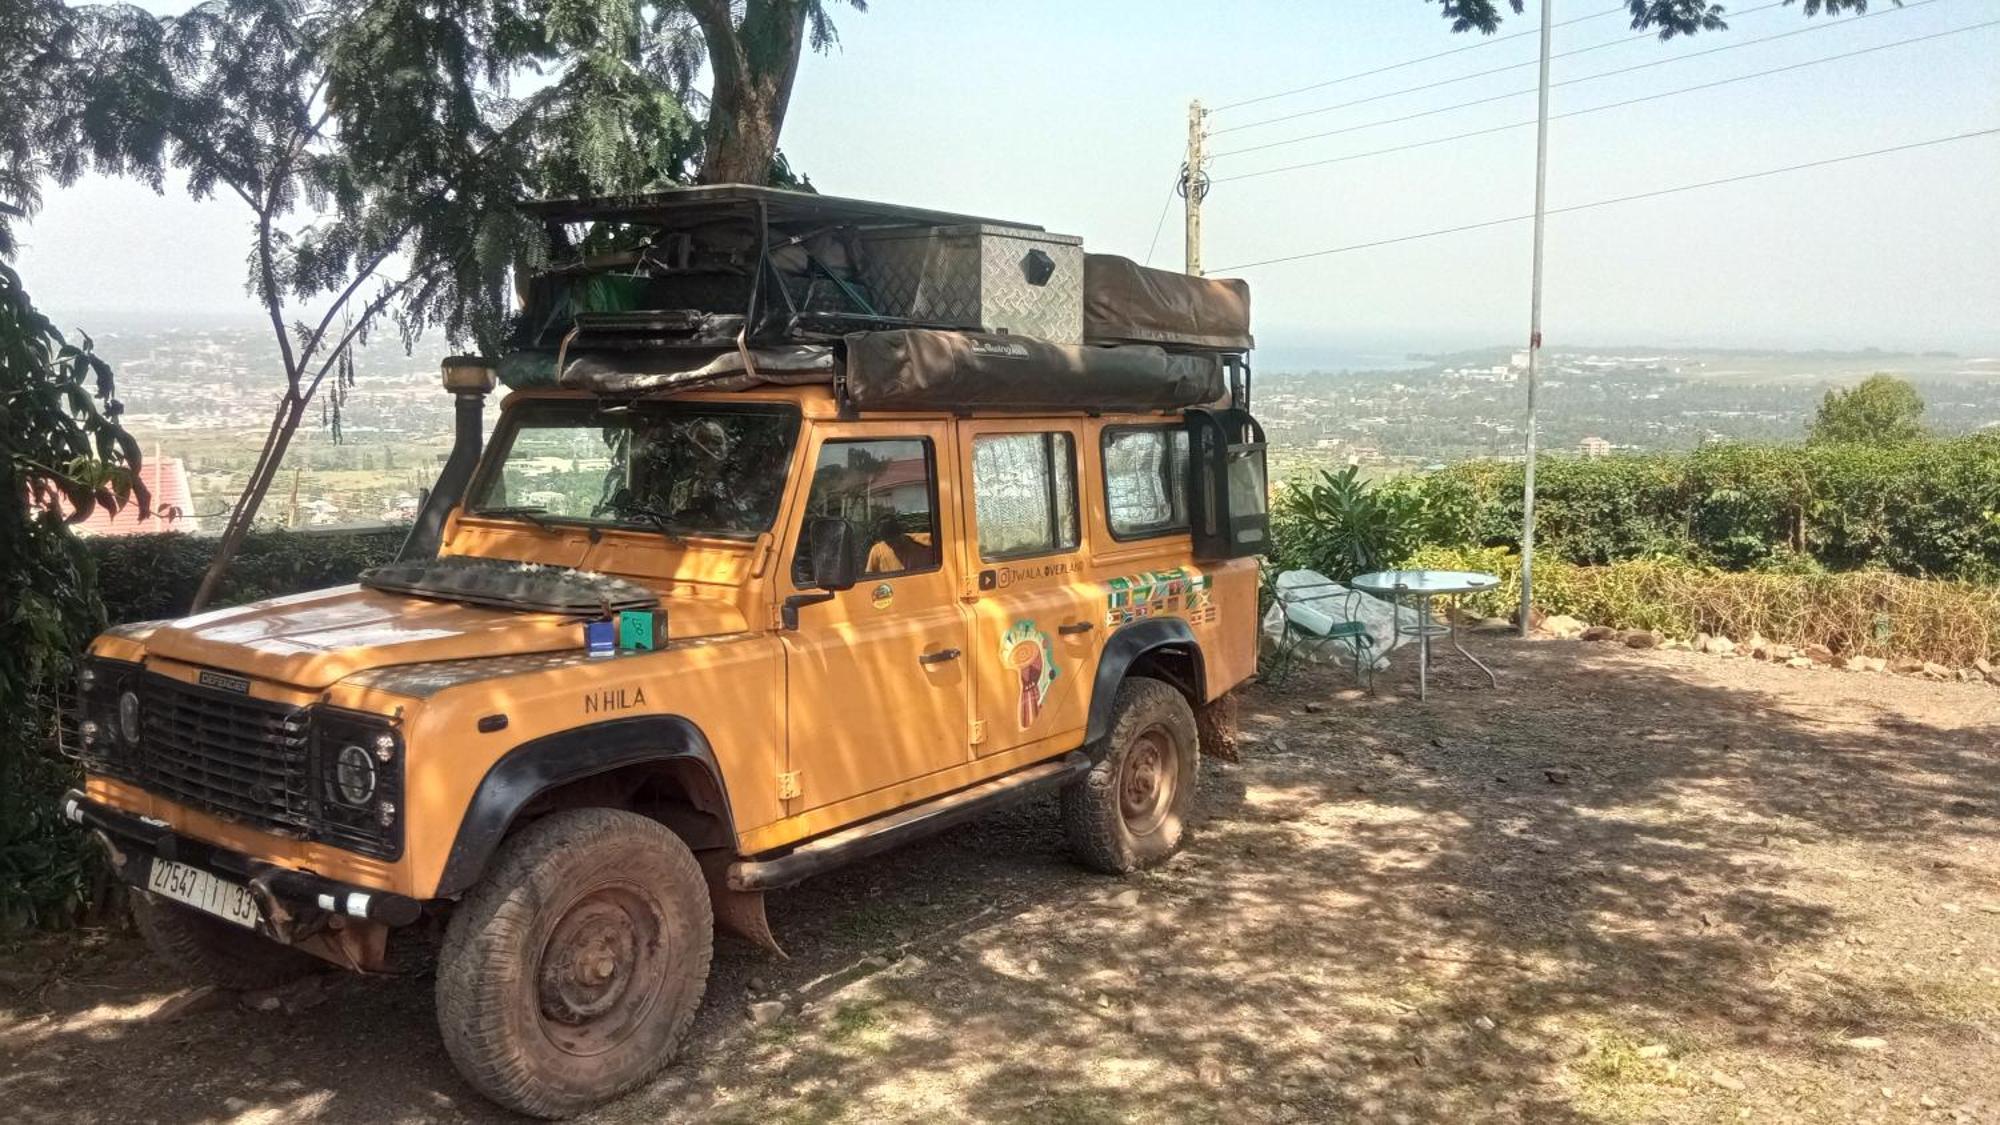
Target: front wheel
1130, 811
572, 971
214, 951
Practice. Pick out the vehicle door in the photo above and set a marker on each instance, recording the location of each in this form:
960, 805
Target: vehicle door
1036, 626
876, 677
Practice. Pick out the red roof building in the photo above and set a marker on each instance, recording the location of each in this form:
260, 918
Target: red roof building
166, 480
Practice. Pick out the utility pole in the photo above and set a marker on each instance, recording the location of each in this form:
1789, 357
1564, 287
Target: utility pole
1535, 332
1194, 184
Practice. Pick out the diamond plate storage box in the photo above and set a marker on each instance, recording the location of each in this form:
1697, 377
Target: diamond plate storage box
980, 277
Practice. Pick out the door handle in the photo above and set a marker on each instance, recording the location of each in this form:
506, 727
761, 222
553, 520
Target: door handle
1075, 628
940, 656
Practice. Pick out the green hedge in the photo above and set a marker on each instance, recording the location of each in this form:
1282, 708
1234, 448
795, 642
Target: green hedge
142, 577
1923, 509
1870, 612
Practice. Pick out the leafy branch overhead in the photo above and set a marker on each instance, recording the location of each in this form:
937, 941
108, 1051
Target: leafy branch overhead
1670, 17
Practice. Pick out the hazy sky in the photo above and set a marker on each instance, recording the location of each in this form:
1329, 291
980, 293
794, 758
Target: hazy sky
1074, 115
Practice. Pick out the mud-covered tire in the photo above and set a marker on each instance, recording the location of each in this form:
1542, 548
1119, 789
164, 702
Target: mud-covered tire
214, 951
571, 973
1130, 811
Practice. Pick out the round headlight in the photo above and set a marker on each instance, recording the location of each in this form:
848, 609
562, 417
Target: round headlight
353, 776
128, 717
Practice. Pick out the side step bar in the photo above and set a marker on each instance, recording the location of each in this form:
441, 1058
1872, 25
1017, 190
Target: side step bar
901, 827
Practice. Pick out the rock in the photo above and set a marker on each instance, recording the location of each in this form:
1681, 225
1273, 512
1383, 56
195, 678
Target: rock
1653, 1051
1906, 666
236, 1105
1777, 653
1871, 664
1315, 708
1798, 662
1125, 900
1817, 653
758, 984
1493, 625
1725, 1080
1210, 1071
1677, 645
1484, 1023
1758, 647
1701, 642
1598, 633
1641, 638
1719, 646
1864, 1043
765, 1011
1563, 625
1934, 671
1970, 676
1556, 777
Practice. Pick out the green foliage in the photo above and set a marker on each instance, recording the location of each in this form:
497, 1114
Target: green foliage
1880, 410
1341, 525
1669, 17
146, 577
1867, 612
59, 451
1917, 508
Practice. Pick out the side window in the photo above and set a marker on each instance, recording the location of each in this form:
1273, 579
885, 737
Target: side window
1024, 494
1145, 480
886, 489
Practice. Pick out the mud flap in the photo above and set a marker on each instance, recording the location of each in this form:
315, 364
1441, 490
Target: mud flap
1215, 725
736, 912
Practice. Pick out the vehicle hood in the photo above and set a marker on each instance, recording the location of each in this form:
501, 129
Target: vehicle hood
315, 640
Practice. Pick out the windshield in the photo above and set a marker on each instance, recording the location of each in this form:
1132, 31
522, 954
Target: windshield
682, 468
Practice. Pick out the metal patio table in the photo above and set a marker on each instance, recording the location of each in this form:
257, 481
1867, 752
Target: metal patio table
1420, 587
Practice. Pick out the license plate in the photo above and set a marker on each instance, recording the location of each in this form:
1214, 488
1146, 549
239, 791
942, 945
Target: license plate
226, 900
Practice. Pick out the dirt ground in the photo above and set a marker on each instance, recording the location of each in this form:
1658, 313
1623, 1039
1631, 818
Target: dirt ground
1646, 886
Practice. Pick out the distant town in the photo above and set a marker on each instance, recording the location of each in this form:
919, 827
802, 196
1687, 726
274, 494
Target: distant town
199, 400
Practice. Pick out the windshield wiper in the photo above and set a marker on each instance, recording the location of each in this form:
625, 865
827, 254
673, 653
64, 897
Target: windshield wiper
529, 512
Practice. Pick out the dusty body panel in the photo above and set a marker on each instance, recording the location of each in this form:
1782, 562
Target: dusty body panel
812, 729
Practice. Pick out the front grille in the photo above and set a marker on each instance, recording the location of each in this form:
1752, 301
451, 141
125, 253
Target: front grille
242, 758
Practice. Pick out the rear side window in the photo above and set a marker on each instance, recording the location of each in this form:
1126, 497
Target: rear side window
1024, 494
1145, 480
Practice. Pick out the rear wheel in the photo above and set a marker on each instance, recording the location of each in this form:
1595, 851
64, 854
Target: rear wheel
1130, 811
212, 950
571, 973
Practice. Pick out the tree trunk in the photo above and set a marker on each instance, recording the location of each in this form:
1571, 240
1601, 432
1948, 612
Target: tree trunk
244, 514
754, 65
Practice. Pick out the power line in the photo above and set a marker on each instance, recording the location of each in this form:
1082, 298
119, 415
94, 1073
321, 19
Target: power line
1620, 199
1410, 62
1614, 73
1487, 73
1599, 108
1160, 225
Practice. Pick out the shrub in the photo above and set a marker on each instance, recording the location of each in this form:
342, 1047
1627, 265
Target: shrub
142, 577
1870, 612
1929, 508
1341, 525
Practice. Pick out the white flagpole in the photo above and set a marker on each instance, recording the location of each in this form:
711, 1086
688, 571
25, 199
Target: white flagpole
1535, 331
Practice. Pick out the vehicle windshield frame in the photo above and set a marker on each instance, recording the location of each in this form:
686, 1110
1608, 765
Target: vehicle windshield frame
501, 445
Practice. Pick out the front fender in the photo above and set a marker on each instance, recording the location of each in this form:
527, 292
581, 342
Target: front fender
542, 764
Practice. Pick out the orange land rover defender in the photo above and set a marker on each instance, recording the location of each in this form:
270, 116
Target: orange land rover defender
730, 598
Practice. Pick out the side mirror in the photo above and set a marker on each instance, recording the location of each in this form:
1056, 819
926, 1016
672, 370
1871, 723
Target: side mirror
836, 564
836, 553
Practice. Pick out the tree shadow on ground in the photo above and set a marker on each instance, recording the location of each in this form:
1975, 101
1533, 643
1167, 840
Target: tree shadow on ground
1483, 906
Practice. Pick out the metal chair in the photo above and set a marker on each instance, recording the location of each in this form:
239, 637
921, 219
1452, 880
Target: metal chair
1319, 615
